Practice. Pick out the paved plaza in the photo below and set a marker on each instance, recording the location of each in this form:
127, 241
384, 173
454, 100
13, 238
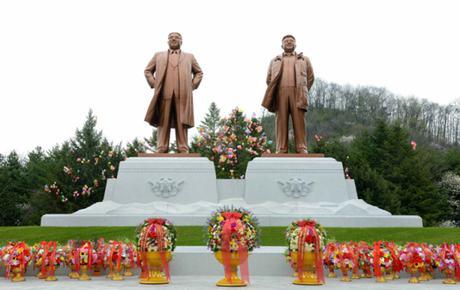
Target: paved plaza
207, 282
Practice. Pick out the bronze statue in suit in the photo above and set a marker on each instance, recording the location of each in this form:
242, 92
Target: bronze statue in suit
173, 74
290, 77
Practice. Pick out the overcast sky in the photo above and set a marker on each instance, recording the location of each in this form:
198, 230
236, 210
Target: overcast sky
60, 58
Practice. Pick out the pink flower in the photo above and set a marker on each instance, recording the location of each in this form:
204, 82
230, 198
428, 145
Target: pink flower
413, 144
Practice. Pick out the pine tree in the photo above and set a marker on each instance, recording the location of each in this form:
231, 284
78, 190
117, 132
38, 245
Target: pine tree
13, 189
90, 161
211, 120
390, 174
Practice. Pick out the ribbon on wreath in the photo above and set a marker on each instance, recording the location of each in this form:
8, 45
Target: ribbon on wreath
44, 246
308, 229
21, 258
52, 259
49, 256
355, 248
130, 253
76, 258
232, 227
377, 254
100, 250
115, 254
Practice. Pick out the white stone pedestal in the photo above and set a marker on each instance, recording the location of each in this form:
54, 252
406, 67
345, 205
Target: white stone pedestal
308, 180
277, 190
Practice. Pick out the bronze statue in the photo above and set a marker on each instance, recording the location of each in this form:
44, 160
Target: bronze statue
290, 77
173, 74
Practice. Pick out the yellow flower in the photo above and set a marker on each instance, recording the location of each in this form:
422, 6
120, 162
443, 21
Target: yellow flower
220, 218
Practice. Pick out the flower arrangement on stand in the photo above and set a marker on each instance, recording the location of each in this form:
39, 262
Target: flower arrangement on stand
72, 258
346, 261
16, 257
364, 259
396, 266
429, 263
413, 260
129, 258
113, 258
155, 240
382, 261
47, 257
447, 263
99, 263
355, 248
86, 257
305, 239
330, 258
232, 234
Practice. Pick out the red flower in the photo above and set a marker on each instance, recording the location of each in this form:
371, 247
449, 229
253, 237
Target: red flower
306, 223
229, 215
158, 221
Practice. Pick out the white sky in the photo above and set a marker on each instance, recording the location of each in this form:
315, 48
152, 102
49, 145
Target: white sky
60, 58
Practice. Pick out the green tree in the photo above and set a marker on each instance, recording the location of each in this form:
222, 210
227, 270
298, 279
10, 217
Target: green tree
13, 189
211, 121
391, 174
89, 159
238, 140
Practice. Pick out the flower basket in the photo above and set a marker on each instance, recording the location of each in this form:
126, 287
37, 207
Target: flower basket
429, 263
113, 258
447, 263
47, 257
232, 234
305, 240
413, 260
382, 261
346, 261
364, 259
16, 257
71, 258
99, 263
86, 257
396, 266
330, 259
129, 258
155, 240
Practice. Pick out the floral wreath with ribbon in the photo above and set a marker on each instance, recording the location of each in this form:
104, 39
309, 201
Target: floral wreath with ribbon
233, 230
307, 236
155, 235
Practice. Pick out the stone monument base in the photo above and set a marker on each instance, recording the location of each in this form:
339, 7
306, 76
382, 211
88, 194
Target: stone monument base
277, 190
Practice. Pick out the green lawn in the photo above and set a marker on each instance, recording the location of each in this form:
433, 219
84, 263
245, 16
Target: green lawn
193, 236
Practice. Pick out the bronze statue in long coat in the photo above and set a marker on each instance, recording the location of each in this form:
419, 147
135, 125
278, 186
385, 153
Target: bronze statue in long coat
180, 72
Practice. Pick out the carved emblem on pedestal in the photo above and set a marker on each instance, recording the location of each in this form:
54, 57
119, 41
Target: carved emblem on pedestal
295, 187
166, 187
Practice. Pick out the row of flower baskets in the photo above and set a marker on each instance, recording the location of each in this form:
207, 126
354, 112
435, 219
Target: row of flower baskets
232, 234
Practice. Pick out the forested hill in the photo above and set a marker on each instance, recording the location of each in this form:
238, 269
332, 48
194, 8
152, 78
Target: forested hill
344, 110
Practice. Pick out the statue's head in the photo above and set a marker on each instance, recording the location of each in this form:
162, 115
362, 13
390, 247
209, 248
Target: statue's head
174, 40
288, 43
